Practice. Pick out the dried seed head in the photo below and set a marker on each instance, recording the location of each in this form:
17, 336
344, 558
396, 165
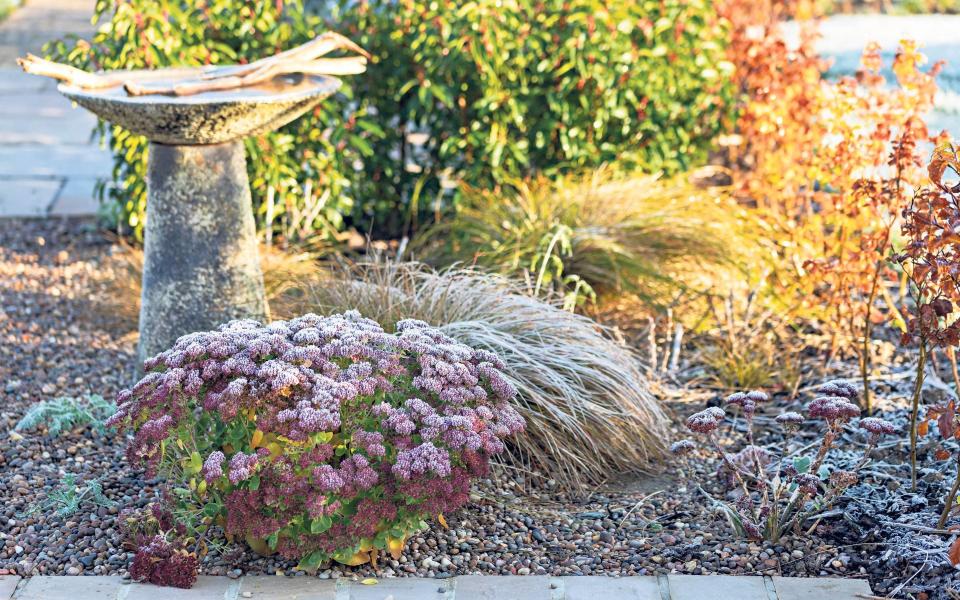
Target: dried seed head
682, 447
790, 420
877, 426
839, 387
706, 420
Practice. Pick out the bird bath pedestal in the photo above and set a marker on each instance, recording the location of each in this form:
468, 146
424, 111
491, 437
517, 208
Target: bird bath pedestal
200, 265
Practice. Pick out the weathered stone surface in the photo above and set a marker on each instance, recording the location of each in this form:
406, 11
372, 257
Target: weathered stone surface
206, 588
288, 588
200, 252
8, 583
207, 118
716, 587
610, 588
404, 588
70, 588
816, 588
493, 587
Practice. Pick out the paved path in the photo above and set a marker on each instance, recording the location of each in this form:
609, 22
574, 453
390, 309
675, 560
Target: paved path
470, 587
48, 163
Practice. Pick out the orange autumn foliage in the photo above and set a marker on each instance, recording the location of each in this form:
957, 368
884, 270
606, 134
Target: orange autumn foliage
825, 164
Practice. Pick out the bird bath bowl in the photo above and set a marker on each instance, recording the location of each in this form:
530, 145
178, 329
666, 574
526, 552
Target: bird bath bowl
209, 117
200, 267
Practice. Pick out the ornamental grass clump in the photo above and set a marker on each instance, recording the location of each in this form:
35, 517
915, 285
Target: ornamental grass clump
583, 394
320, 437
778, 494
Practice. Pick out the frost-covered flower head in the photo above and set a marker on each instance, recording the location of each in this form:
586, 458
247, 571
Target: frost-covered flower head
707, 420
839, 387
832, 409
748, 401
877, 426
790, 420
682, 447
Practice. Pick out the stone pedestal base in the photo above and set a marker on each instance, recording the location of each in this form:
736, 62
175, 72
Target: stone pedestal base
201, 267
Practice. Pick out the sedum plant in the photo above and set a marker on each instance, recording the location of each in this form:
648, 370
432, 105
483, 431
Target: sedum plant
778, 494
320, 437
162, 546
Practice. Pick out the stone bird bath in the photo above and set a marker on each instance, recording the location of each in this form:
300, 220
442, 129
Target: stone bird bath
200, 267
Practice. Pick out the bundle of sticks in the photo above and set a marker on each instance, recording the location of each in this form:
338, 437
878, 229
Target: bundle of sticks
306, 59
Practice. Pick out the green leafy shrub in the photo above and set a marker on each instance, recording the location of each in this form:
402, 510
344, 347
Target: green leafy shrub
65, 413
320, 437
481, 92
578, 237
488, 91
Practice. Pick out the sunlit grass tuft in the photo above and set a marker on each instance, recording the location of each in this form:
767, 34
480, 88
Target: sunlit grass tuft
601, 234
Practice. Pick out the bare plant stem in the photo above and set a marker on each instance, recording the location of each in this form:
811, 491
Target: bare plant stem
915, 411
948, 505
865, 359
828, 439
952, 357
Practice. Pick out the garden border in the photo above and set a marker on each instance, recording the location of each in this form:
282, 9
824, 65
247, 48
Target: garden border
466, 587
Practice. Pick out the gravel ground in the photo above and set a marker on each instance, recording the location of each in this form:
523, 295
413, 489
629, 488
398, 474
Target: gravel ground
54, 345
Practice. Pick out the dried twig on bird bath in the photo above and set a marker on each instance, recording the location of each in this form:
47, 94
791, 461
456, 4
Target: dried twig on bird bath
304, 59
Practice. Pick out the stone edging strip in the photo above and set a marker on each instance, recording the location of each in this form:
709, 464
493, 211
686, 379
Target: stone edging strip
466, 587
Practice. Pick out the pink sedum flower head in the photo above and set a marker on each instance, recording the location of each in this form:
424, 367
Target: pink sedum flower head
706, 421
877, 426
213, 466
832, 408
747, 401
682, 447
319, 432
790, 420
839, 387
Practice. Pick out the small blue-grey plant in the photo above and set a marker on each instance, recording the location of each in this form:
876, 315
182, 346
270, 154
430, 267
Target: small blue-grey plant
67, 412
69, 497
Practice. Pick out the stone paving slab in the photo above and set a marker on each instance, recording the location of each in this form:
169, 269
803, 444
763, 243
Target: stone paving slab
28, 197
8, 583
621, 588
76, 198
70, 588
467, 587
496, 587
801, 588
48, 161
31, 160
265, 587
40, 21
73, 127
212, 588
41, 104
15, 81
715, 587
403, 588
